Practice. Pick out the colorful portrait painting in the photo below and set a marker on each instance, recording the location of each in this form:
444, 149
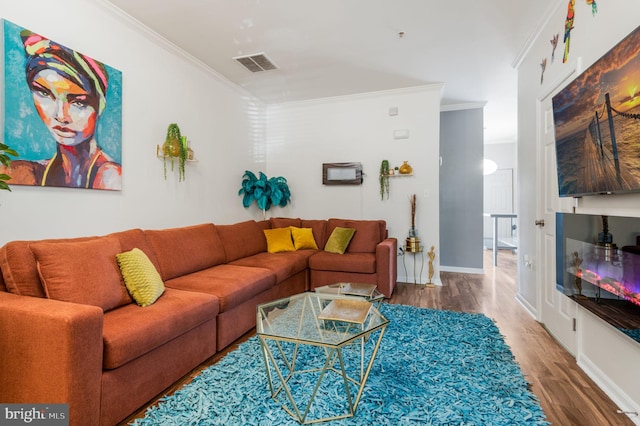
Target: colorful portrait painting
63, 114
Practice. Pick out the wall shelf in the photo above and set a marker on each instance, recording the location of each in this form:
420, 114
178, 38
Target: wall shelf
398, 175
162, 156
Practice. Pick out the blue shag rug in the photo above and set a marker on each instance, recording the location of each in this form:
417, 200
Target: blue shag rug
433, 368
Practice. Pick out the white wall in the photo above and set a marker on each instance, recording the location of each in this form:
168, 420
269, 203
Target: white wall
161, 85
602, 351
303, 135
504, 154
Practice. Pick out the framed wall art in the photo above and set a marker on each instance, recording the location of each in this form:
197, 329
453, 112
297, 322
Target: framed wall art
62, 114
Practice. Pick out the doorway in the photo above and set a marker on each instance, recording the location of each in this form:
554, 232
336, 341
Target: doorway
499, 199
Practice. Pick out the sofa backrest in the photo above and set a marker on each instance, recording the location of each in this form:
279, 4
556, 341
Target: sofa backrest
283, 222
2, 286
180, 251
19, 268
369, 233
319, 228
242, 239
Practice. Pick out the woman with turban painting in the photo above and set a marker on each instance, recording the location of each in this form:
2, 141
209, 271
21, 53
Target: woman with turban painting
69, 94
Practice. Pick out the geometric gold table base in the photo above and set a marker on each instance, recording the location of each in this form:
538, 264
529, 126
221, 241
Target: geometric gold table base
347, 364
318, 349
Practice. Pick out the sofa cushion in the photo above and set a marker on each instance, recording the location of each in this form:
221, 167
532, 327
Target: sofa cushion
364, 263
283, 265
285, 222
135, 238
231, 284
319, 227
242, 239
279, 240
132, 331
339, 240
18, 263
140, 277
303, 238
368, 233
82, 271
19, 269
264, 224
180, 251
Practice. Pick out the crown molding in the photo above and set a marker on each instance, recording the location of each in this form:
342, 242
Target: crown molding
432, 87
162, 42
533, 37
461, 106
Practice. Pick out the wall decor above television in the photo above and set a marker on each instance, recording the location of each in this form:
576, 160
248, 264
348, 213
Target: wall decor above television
597, 125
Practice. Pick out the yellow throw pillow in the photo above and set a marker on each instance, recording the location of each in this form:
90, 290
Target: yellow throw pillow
140, 277
278, 240
303, 238
339, 240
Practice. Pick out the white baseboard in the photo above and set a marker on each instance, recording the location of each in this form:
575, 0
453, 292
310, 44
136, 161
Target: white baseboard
461, 270
619, 397
528, 307
423, 281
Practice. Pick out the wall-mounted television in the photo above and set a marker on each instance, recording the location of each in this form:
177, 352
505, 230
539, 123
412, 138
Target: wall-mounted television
597, 125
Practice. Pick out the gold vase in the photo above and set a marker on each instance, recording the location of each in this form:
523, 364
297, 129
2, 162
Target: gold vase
171, 147
405, 169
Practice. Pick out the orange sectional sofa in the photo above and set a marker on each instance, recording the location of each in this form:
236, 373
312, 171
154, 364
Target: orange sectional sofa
70, 332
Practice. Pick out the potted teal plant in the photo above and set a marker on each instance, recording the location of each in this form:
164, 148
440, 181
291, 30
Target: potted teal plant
5, 160
265, 192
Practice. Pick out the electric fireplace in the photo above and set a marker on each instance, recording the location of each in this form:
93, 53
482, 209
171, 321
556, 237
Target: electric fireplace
598, 266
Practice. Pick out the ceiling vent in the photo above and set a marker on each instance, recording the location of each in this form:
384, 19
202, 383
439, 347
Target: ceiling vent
256, 62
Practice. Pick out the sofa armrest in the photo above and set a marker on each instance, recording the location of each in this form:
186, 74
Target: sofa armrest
387, 265
51, 352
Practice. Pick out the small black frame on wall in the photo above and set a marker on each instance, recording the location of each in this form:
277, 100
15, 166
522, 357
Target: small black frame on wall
342, 173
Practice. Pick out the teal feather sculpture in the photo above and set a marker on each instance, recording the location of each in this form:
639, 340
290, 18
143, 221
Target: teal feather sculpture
265, 192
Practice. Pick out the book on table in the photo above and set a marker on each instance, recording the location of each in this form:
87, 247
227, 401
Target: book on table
346, 310
358, 289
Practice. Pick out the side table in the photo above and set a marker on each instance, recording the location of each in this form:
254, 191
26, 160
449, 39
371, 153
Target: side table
417, 278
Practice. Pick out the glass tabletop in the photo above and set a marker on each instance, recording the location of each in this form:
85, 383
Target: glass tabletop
367, 291
318, 318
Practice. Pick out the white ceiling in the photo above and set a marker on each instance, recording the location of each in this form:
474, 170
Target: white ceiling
338, 47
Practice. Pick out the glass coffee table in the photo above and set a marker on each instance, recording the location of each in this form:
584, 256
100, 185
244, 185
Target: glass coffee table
368, 292
318, 350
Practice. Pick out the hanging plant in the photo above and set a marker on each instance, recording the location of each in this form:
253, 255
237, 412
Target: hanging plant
265, 192
5, 160
174, 147
384, 179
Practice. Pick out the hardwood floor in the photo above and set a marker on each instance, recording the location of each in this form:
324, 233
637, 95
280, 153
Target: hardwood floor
567, 395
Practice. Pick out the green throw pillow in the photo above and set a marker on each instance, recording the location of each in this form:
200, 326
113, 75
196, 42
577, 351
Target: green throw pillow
140, 277
339, 240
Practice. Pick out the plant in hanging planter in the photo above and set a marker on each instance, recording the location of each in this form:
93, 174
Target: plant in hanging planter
265, 192
174, 147
384, 179
5, 160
